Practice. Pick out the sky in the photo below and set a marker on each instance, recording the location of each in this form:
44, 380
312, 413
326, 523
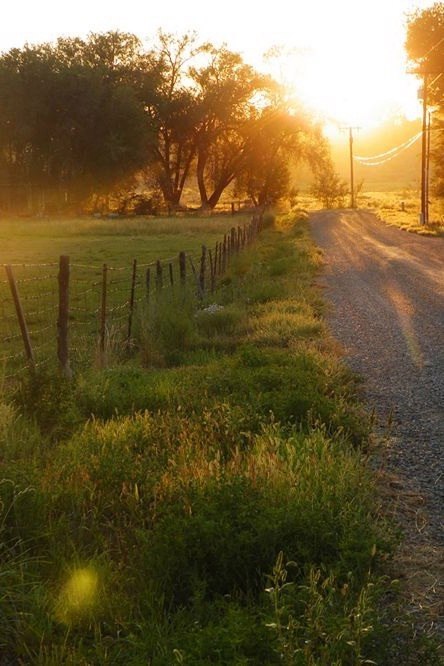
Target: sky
343, 58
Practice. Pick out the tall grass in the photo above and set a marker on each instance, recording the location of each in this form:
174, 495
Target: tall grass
206, 502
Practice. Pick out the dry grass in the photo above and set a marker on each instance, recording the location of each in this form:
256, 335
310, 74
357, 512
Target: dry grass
401, 209
417, 563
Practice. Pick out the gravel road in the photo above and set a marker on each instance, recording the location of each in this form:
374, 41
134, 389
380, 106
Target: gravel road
386, 288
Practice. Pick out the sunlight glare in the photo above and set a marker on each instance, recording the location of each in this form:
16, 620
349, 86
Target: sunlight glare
350, 73
79, 595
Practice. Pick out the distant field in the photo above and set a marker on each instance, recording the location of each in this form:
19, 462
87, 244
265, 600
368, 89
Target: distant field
33, 248
116, 241
396, 207
401, 208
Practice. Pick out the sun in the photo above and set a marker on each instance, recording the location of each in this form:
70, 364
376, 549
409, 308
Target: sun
359, 92
350, 77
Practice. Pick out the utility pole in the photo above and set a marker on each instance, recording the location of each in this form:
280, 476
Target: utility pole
424, 174
427, 164
352, 179
425, 153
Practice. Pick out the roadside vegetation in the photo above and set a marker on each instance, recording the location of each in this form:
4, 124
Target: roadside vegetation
206, 502
400, 209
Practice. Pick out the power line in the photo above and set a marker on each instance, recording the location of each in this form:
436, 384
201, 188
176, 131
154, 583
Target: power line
435, 46
389, 154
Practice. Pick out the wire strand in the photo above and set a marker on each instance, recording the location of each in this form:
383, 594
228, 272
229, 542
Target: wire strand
390, 155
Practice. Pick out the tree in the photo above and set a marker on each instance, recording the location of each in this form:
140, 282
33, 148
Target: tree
172, 115
327, 185
425, 48
229, 92
73, 114
280, 139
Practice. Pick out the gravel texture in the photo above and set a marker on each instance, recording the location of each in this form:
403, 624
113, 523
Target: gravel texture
386, 288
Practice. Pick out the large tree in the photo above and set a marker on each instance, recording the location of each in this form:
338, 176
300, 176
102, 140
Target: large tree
280, 138
172, 115
73, 115
425, 48
229, 93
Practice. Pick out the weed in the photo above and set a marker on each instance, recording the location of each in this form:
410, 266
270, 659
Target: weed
145, 506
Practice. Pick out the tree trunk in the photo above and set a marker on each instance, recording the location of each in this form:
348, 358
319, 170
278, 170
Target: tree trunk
200, 172
213, 200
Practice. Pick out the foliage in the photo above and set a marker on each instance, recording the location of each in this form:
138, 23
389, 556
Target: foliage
278, 140
96, 133
50, 400
128, 118
425, 47
150, 529
329, 188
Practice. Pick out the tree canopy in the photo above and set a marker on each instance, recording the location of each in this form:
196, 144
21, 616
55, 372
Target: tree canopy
83, 116
425, 48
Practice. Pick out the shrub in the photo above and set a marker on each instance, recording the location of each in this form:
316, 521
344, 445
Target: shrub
49, 400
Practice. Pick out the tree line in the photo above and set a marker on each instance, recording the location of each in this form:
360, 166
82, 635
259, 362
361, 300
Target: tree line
82, 117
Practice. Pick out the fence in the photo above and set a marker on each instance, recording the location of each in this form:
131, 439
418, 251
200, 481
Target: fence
72, 313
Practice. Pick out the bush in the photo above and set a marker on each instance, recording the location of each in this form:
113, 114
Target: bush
218, 529
49, 400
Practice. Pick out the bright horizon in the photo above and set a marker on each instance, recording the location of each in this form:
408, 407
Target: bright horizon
345, 62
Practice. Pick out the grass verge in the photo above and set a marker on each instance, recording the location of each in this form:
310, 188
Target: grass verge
207, 503
400, 209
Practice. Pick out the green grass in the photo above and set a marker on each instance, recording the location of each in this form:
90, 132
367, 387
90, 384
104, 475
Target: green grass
89, 242
206, 502
115, 241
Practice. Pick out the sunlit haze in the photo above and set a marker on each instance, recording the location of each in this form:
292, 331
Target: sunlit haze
344, 59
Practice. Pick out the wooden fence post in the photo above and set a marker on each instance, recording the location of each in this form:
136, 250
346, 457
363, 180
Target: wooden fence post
220, 259
148, 284
216, 256
182, 268
159, 276
131, 302
233, 240
196, 277
212, 271
63, 318
224, 254
103, 313
203, 265
21, 318
170, 266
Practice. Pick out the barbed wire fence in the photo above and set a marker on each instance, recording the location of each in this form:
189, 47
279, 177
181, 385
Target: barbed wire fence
76, 314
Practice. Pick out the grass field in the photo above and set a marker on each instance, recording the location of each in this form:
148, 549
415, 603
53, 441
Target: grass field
33, 247
208, 500
116, 241
401, 209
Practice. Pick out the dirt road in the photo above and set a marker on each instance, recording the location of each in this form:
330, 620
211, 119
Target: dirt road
386, 290
386, 287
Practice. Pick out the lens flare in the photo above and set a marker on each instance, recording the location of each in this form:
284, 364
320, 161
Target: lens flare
78, 597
